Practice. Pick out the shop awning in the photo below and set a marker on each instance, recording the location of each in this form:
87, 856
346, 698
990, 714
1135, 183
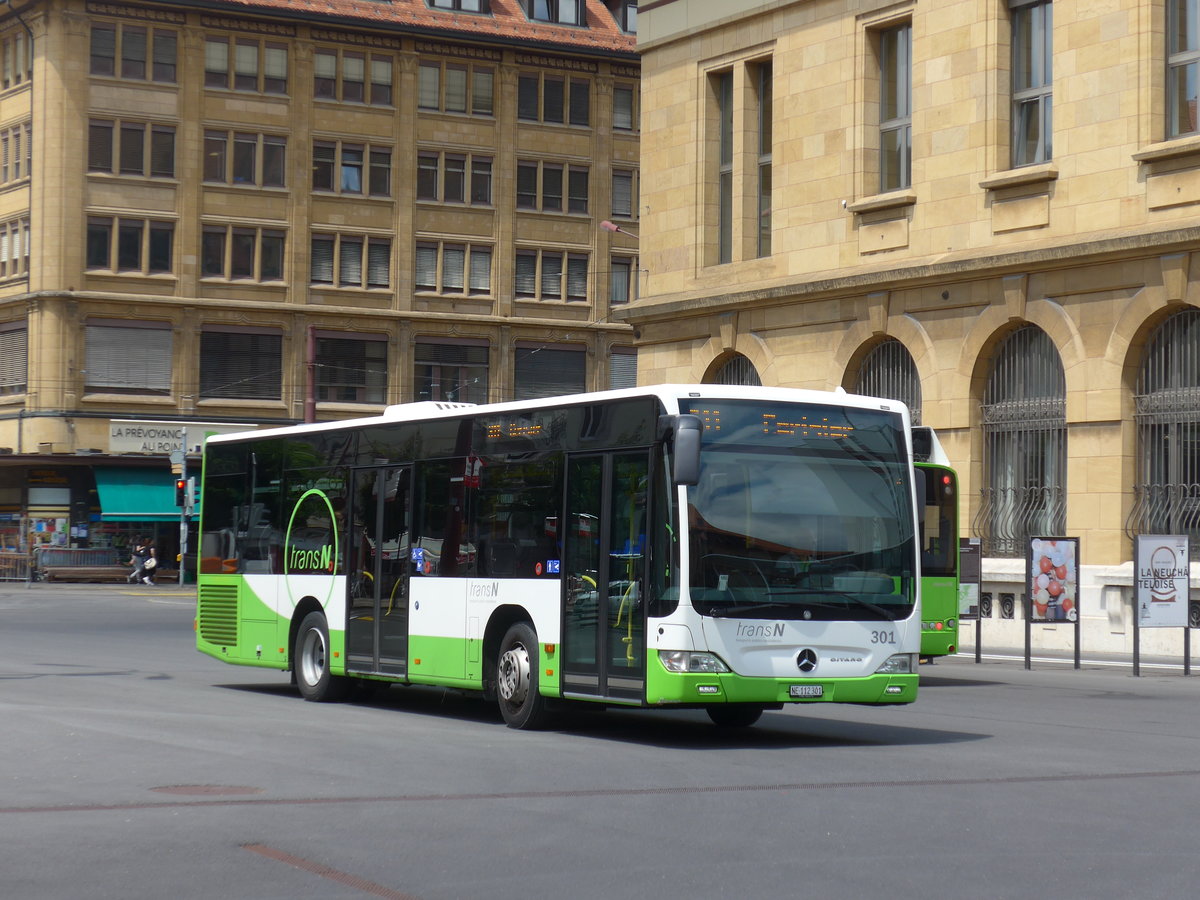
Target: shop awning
136, 495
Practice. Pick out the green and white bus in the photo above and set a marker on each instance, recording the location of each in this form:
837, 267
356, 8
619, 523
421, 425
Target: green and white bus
727, 548
938, 537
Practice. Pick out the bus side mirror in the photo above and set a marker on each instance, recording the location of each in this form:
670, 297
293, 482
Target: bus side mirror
683, 432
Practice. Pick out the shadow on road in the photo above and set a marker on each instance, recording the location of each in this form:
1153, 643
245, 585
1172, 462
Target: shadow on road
678, 729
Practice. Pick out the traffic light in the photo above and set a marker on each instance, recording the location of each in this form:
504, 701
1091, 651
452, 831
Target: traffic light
181, 490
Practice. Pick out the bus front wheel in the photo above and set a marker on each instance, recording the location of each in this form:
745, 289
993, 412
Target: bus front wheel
521, 705
734, 715
310, 662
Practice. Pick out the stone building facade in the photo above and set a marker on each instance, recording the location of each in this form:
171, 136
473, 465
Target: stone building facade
228, 213
987, 208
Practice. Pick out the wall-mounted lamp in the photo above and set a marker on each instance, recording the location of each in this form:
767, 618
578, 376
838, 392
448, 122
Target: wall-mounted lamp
617, 229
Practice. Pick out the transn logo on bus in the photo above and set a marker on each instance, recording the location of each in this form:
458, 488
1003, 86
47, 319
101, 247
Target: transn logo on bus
320, 560
309, 548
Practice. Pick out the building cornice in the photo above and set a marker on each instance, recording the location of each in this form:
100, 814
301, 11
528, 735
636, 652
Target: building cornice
974, 266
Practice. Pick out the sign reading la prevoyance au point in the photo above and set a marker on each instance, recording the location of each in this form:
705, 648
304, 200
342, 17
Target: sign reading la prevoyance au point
163, 438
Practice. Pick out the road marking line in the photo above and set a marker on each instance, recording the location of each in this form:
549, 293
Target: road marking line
344, 878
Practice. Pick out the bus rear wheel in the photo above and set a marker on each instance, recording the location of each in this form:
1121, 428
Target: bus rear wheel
521, 705
310, 662
734, 715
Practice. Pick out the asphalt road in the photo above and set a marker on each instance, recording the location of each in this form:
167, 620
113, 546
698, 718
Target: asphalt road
134, 767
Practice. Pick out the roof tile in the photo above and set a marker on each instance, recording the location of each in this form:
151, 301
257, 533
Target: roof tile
507, 21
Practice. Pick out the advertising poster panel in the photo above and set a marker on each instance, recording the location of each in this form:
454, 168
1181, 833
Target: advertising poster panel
1161, 562
1052, 564
969, 571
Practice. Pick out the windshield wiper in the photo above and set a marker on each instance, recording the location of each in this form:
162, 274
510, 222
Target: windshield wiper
852, 598
734, 610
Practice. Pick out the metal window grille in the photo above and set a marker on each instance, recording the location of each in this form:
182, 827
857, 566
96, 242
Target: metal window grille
737, 370
1025, 445
1167, 418
889, 371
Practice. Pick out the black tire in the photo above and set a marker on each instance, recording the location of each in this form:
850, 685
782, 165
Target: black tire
521, 705
310, 662
734, 715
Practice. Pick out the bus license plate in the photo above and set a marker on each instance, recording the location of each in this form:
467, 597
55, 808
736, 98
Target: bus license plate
806, 690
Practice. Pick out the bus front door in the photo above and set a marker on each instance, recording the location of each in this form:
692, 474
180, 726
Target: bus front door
377, 586
604, 566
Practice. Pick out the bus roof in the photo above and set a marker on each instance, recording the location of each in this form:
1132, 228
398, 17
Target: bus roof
667, 394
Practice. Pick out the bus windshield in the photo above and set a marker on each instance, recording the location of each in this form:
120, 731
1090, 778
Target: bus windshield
939, 523
801, 512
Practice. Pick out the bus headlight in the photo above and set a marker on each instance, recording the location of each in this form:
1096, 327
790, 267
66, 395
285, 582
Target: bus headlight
685, 661
898, 664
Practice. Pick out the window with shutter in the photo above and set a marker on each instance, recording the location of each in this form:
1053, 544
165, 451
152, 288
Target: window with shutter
483, 92
622, 191
129, 245
548, 372
104, 51
14, 358
216, 62
321, 268
162, 152
427, 176
381, 173
324, 156
112, 368
133, 149
622, 369
454, 184
354, 74
552, 265
215, 143
133, 52
349, 257
577, 276
429, 90
325, 75
427, 266
481, 271
618, 285
453, 261
527, 97
100, 149
580, 113
552, 188
99, 243
379, 262
245, 151
526, 274
553, 95
274, 161
623, 108
245, 66
456, 89
237, 365
577, 190
481, 181
381, 82
527, 180
165, 54
451, 371
162, 238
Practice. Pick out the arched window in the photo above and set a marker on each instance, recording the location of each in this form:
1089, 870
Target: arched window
736, 370
889, 371
1167, 415
1024, 445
